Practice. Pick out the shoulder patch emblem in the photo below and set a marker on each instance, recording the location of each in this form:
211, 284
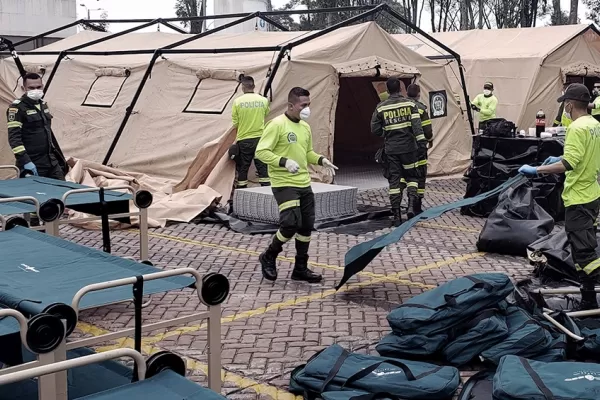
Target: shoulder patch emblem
12, 114
292, 138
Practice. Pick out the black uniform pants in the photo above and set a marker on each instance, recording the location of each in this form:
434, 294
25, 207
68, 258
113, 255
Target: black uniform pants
247, 148
402, 166
422, 167
580, 225
296, 217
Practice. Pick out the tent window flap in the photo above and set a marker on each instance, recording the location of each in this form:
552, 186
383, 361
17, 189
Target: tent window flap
104, 91
211, 96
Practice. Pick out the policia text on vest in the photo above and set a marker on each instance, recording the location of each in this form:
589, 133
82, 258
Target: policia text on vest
30, 135
398, 121
248, 116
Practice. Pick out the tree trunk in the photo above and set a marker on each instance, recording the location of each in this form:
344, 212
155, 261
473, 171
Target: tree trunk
557, 12
573, 13
464, 15
432, 12
480, 5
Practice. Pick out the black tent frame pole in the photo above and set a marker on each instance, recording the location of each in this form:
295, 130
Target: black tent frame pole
63, 53
43, 35
273, 23
456, 56
157, 54
287, 48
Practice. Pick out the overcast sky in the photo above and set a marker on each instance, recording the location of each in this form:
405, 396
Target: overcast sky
118, 9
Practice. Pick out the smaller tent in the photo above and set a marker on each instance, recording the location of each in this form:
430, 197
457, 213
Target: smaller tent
528, 66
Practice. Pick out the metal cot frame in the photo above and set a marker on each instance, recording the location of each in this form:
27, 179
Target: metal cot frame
54, 386
53, 228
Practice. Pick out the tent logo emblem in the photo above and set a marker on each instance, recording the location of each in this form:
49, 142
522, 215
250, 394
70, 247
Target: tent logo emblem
587, 375
27, 268
292, 138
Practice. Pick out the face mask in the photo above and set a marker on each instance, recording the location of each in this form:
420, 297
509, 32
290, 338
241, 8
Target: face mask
487, 92
305, 113
35, 95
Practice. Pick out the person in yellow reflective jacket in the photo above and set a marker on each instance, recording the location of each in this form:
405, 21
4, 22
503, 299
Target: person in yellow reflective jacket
248, 116
581, 194
594, 106
485, 104
287, 148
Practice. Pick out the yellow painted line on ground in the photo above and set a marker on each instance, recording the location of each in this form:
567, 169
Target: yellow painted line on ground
313, 297
195, 365
390, 278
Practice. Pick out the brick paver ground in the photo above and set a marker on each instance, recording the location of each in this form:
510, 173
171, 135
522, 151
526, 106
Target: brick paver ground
270, 328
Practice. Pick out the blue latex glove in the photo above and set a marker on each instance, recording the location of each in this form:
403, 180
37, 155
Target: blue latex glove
528, 170
31, 167
551, 160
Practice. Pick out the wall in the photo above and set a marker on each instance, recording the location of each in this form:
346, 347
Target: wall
240, 6
25, 18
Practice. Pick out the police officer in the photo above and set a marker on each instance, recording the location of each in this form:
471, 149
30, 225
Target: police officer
485, 104
286, 147
424, 142
398, 121
594, 106
30, 133
581, 194
248, 115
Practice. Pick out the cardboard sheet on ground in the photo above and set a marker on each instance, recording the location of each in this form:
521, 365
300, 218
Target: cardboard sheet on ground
359, 256
182, 206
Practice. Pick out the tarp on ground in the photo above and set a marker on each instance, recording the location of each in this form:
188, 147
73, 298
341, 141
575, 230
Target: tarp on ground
180, 128
527, 66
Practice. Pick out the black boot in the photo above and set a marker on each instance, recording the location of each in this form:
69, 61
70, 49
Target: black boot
268, 259
397, 217
412, 202
418, 205
302, 273
589, 300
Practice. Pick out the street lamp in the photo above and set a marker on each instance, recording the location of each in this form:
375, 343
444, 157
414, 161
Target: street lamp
88, 10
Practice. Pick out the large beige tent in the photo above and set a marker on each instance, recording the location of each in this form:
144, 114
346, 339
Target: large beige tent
528, 66
180, 128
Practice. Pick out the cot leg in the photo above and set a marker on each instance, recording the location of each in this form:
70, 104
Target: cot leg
52, 228
53, 386
214, 348
144, 234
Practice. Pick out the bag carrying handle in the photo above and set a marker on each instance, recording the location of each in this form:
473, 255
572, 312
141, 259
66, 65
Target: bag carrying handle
537, 380
364, 372
336, 368
479, 284
374, 396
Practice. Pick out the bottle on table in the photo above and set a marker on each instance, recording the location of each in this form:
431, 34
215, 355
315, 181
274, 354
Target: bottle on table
540, 123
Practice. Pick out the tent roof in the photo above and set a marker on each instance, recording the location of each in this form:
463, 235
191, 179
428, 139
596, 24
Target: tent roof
506, 43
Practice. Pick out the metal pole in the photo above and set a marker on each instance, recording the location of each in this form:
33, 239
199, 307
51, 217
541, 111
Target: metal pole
157, 54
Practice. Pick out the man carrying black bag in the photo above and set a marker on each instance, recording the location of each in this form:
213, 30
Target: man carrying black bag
581, 194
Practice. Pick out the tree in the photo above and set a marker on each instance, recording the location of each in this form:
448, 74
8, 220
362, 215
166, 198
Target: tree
98, 26
192, 8
594, 10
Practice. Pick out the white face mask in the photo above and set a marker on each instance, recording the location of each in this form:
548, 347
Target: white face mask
487, 92
36, 94
305, 113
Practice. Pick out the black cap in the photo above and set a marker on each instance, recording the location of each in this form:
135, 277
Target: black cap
488, 85
577, 92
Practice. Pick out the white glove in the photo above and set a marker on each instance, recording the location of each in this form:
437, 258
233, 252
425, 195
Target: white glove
292, 166
329, 165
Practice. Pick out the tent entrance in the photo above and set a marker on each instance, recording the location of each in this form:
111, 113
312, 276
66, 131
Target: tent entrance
361, 88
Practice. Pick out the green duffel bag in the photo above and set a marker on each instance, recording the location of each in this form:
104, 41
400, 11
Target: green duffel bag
358, 395
526, 338
519, 378
335, 369
411, 346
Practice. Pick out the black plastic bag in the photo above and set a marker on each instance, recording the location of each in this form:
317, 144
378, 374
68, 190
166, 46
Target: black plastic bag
556, 251
516, 222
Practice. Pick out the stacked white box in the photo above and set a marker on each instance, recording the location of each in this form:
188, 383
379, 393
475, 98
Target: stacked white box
259, 205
